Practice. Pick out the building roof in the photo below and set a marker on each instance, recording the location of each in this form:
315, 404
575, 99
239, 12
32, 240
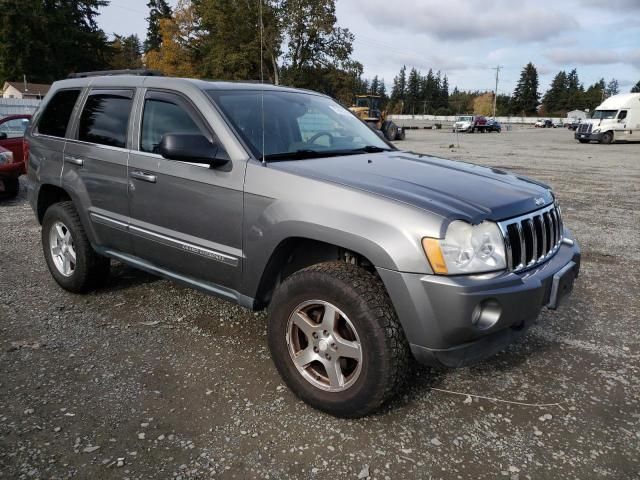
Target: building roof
31, 88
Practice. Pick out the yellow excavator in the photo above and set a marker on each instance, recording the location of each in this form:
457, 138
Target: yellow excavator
368, 109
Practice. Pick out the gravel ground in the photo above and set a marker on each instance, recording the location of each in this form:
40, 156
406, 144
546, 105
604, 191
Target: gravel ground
146, 379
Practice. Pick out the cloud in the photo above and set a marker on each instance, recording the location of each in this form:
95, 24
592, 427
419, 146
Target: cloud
593, 56
613, 5
466, 21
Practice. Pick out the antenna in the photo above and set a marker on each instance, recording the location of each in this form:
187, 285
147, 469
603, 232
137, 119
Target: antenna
262, 76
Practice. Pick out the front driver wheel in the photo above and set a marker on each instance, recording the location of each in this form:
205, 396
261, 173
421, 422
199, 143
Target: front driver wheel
607, 138
335, 339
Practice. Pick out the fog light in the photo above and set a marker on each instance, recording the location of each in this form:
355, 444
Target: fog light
486, 314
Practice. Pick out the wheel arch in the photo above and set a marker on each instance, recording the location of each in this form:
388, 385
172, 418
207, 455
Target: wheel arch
49, 194
297, 252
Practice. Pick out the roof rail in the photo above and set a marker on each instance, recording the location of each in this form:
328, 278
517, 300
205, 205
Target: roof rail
139, 72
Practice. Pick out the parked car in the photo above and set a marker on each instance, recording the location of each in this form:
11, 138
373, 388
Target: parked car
544, 124
365, 256
558, 124
470, 124
12, 153
493, 126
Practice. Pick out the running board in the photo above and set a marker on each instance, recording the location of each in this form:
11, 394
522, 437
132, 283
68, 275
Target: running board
206, 287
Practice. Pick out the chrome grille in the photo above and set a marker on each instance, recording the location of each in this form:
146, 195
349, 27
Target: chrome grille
584, 128
533, 238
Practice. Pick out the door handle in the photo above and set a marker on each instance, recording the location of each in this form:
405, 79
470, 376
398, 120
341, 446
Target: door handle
145, 177
74, 160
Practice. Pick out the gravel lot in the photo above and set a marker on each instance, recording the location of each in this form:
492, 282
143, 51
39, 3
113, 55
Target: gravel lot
146, 379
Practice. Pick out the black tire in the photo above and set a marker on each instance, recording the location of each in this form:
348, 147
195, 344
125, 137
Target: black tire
472, 130
390, 132
582, 140
91, 269
363, 299
607, 138
11, 186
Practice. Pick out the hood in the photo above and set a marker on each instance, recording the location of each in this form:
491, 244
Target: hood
451, 189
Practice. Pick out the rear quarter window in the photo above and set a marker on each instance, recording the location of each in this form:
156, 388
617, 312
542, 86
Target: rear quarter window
57, 112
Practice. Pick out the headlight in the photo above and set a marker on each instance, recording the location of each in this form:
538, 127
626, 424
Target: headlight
597, 130
467, 248
6, 157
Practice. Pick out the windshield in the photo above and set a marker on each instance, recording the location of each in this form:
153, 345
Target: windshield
295, 123
464, 119
604, 114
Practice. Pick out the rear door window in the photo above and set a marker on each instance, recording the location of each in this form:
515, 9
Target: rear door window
57, 113
105, 117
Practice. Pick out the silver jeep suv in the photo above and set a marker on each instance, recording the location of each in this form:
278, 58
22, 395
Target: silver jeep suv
366, 256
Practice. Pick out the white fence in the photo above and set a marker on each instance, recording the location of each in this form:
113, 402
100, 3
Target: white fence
18, 106
452, 118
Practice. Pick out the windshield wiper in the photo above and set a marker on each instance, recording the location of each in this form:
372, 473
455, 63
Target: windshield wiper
369, 149
308, 153
297, 155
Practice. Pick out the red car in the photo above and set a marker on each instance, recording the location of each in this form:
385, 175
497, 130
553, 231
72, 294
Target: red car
13, 153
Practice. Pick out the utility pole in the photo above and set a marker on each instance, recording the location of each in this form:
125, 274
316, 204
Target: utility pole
497, 68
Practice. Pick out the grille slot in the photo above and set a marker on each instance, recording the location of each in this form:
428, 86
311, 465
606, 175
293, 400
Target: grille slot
533, 238
584, 128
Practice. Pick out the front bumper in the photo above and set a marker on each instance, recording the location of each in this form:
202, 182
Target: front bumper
592, 137
437, 312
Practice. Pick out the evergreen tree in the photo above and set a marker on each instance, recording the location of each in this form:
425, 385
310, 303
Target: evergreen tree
158, 10
413, 91
399, 90
554, 100
227, 43
575, 91
444, 94
526, 96
613, 87
594, 95
127, 52
382, 91
47, 40
636, 88
375, 85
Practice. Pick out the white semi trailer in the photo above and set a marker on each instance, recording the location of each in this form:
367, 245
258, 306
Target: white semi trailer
616, 120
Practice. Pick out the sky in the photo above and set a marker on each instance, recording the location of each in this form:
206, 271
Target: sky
468, 39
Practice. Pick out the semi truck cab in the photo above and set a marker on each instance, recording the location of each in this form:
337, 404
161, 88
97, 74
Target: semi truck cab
616, 119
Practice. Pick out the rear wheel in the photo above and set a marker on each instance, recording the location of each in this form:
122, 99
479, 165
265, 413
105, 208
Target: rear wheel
607, 138
71, 260
335, 339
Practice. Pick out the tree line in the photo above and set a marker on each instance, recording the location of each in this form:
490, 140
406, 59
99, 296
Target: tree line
290, 42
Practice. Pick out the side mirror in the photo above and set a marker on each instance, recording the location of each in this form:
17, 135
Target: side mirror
186, 147
3, 136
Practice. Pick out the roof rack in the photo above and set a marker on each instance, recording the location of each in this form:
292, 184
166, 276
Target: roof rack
139, 72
